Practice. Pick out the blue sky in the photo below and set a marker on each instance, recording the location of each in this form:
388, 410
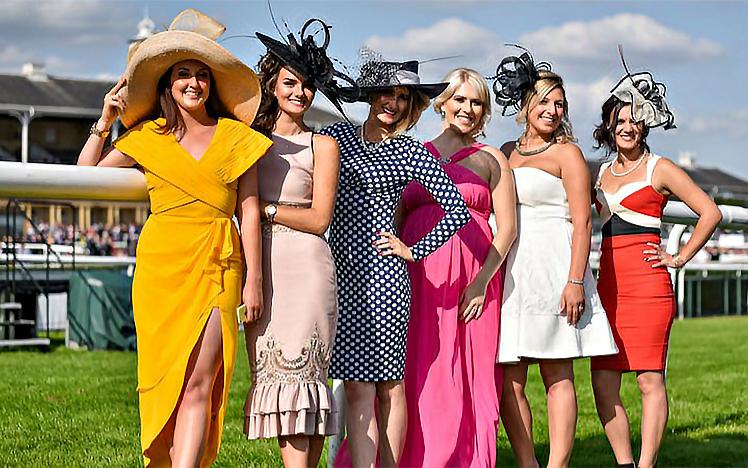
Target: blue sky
699, 49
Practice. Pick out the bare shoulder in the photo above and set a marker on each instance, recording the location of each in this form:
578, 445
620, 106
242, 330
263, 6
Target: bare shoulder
570, 155
325, 143
569, 150
666, 171
664, 163
496, 157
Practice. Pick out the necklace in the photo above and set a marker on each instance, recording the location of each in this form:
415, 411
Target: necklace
535, 151
629, 171
370, 146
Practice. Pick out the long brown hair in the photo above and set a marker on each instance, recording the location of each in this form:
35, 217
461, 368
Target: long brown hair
269, 68
169, 110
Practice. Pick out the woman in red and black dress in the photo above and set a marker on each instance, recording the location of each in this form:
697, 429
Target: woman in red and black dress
634, 285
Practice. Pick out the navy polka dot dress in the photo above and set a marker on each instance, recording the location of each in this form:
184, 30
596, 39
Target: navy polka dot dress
374, 291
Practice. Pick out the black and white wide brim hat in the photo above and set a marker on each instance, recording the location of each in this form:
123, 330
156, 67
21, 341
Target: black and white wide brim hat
377, 76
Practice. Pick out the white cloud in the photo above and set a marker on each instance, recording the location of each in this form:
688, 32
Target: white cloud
11, 54
476, 47
733, 123
68, 36
586, 99
13, 57
594, 42
60, 14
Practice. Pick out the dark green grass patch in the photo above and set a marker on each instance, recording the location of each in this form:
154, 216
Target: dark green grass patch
77, 408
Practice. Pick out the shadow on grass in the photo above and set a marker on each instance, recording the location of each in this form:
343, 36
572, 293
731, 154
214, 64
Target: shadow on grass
716, 447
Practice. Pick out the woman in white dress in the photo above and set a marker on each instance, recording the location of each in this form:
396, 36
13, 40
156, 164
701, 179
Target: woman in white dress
551, 313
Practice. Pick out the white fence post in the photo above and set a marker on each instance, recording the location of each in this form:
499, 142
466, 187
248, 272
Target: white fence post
334, 442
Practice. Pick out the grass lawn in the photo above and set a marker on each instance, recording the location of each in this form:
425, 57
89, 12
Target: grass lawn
76, 408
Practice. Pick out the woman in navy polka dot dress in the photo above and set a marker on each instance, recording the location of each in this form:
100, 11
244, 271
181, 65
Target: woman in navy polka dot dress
377, 162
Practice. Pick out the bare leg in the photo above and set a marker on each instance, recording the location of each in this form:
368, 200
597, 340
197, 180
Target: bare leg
296, 450
558, 377
654, 415
606, 385
316, 444
392, 422
517, 416
193, 410
361, 425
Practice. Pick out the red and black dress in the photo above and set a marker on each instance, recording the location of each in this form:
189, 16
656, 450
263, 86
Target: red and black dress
638, 299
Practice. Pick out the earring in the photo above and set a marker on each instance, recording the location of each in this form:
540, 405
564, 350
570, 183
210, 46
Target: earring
442, 113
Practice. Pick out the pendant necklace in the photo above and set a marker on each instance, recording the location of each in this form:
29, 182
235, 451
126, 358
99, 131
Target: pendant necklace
629, 171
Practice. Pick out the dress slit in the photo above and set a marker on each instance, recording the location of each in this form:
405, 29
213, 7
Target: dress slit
158, 450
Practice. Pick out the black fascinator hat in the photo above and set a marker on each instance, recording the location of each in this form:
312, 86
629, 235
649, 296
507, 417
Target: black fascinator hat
646, 96
514, 76
378, 75
310, 60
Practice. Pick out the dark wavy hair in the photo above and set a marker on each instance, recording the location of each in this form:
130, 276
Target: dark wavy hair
169, 110
605, 132
268, 70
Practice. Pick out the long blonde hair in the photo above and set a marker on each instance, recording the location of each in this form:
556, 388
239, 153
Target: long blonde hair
548, 82
456, 78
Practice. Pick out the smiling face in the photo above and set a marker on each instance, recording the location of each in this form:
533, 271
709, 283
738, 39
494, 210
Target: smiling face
546, 116
190, 84
294, 97
390, 106
464, 110
627, 133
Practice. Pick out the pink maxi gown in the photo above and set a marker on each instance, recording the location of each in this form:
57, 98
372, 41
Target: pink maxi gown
452, 382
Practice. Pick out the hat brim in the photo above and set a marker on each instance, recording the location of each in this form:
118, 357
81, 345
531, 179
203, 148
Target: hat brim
237, 86
431, 90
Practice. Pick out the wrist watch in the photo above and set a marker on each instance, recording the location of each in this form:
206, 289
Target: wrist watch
270, 212
99, 133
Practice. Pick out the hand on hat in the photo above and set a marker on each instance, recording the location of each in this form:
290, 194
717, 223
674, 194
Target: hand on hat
114, 104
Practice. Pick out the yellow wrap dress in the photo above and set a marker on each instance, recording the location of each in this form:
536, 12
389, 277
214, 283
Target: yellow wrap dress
188, 263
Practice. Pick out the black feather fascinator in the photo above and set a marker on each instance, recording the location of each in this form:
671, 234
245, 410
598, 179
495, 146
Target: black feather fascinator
309, 59
514, 76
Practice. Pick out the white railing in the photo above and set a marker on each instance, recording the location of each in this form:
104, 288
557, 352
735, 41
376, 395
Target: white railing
62, 182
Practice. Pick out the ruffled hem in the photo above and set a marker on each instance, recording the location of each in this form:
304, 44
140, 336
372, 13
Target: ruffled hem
280, 409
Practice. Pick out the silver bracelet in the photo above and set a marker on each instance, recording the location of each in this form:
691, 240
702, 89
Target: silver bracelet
576, 281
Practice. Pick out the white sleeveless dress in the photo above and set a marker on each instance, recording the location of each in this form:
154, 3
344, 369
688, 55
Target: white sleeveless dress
537, 271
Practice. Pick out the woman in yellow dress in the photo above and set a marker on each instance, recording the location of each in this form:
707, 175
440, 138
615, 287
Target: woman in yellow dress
188, 103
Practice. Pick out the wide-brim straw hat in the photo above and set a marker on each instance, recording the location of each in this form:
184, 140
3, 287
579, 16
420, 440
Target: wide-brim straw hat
191, 36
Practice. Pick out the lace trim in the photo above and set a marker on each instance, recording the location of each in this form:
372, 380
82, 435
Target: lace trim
310, 367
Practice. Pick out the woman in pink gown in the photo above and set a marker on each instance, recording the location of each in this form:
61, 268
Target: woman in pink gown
452, 381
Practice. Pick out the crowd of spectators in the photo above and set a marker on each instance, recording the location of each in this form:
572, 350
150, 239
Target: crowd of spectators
121, 240
97, 239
